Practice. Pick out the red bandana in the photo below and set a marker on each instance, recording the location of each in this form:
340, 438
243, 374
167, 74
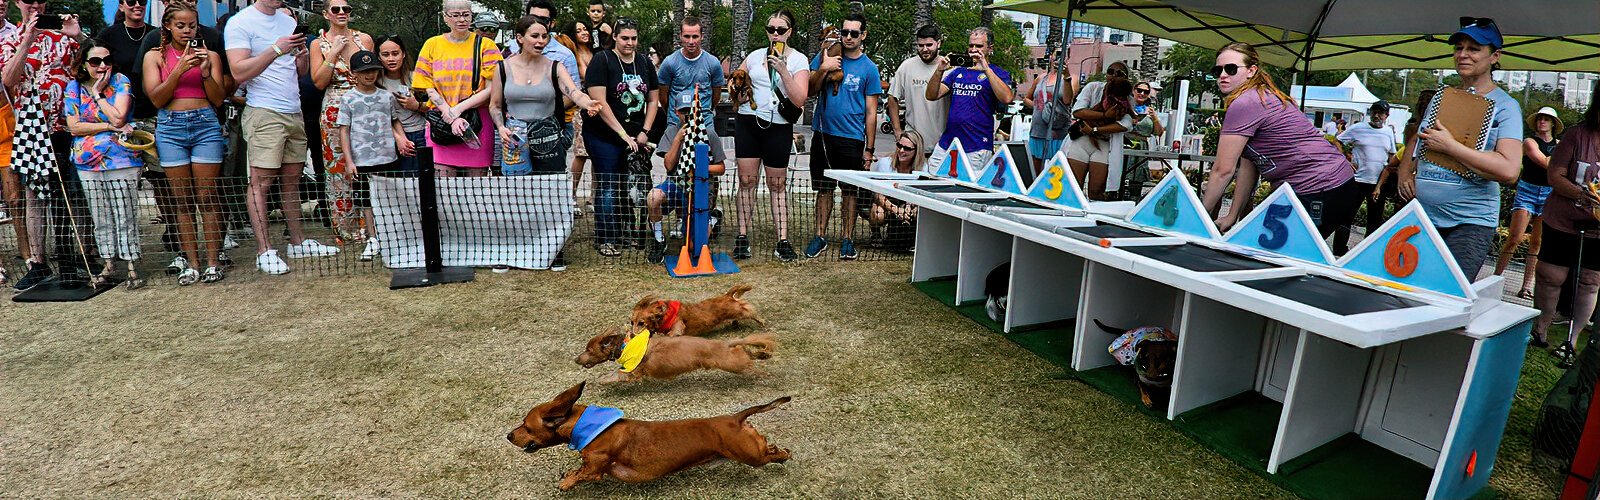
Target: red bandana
671, 317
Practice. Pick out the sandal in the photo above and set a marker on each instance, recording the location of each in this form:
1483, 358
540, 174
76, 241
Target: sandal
609, 250
5, 277
188, 277
212, 275
1525, 294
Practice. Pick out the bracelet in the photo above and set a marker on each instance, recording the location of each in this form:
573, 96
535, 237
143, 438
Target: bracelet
277, 50
324, 62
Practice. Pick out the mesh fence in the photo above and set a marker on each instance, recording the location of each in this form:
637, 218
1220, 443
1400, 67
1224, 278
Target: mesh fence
162, 226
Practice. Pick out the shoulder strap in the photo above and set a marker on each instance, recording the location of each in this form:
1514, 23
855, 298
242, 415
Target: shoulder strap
558, 110
477, 52
504, 76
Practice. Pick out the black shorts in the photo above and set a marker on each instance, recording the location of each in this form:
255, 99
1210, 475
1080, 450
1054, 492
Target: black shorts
1333, 208
757, 138
831, 151
1561, 248
362, 189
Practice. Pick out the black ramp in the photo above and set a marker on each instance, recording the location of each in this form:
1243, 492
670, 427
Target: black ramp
948, 188
1199, 259
1332, 295
1111, 231
1011, 203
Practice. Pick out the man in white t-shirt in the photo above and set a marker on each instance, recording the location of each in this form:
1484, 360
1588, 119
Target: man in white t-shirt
267, 57
908, 88
1371, 144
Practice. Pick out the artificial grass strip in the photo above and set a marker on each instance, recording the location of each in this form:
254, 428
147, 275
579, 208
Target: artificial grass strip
941, 289
1326, 472
1051, 341
1121, 383
1241, 428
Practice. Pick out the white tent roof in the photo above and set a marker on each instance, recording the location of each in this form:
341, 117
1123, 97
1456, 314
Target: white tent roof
1358, 91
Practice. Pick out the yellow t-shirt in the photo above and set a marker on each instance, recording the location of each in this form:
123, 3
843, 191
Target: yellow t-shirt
446, 65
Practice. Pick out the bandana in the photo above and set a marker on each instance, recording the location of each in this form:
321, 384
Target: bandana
633, 351
1123, 347
671, 317
594, 421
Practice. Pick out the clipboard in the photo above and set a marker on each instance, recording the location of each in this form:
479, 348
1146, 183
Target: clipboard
1467, 116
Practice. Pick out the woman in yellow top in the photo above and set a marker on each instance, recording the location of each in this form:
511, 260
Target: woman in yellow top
444, 70
10, 185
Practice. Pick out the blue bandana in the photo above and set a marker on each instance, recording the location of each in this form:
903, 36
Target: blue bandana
593, 421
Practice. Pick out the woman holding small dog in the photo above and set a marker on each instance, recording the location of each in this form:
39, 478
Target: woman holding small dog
98, 104
763, 135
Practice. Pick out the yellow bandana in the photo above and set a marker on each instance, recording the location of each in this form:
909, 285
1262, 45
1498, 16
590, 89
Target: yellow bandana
633, 351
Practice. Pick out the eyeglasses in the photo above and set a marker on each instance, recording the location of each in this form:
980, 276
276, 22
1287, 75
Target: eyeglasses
1141, 91
777, 30
904, 147
1230, 68
850, 33
340, 9
1118, 72
99, 61
32, 2
458, 15
1481, 22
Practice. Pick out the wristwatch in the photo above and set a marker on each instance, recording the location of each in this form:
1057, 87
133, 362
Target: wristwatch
1094, 129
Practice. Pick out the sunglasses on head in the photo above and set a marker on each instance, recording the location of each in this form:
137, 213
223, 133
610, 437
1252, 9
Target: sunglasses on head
1116, 72
850, 33
340, 9
99, 61
904, 147
626, 23
777, 30
1481, 22
1231, 69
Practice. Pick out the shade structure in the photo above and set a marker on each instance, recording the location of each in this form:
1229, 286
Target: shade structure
1540, 35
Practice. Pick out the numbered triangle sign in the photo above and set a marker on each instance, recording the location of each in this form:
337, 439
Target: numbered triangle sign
1057, 185
1282, 225
953, 163
1173, 206
1408, 250
1001, 174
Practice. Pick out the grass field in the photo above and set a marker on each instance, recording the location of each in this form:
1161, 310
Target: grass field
301, 386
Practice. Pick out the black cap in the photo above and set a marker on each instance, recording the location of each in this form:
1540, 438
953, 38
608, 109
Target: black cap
364, 60
1379, 107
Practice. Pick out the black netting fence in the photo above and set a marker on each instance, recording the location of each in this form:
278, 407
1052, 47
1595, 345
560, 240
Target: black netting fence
161, 226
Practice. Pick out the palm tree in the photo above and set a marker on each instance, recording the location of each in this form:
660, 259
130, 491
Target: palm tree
1052, 38
1147, 57
708, 15
678, 12
742, 12
924, 14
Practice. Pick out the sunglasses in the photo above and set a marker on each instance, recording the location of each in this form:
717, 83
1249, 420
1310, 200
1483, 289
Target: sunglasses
340, 9
777, 30
1141, 91
626, 23
1231, 69
850, 33
904, 147
1481, 22
32, 2
134, 2
99, 61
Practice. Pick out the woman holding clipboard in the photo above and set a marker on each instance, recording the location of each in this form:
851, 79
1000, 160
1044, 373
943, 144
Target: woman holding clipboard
1459, 185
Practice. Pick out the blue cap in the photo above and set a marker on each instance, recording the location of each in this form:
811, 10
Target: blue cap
1481, 30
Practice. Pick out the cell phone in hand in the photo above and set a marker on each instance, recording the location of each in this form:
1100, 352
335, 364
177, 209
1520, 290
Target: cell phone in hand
421, 95
959, 60
49, 22
196, 43
301, 30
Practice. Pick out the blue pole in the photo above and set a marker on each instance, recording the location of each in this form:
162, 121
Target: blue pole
698, 227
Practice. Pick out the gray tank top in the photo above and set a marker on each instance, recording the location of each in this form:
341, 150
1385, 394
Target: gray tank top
530, 102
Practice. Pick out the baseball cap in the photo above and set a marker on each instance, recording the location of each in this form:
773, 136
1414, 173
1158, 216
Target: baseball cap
365, 60
1481, 30
1379, 107
485, 20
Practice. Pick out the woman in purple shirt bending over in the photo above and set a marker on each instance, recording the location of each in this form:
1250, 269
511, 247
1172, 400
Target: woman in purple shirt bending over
1265, 136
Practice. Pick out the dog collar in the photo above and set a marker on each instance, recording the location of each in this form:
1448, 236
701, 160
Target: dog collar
1124, 347
591, 423
671, 317
633, 350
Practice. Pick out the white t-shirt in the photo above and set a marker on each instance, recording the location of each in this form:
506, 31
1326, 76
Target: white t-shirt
762, 83
1330, 127
1371, 149
278, 87
909, 87
884, 165
1088, 97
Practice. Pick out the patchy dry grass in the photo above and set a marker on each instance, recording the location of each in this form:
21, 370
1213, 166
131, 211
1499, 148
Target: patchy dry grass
338, 386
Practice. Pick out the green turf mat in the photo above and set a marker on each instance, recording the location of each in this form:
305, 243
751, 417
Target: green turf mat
941, 289
1241, 428
1327, 472
1120, 382
1051, 341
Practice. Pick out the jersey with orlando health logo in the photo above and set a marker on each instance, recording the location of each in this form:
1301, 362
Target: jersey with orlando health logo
972, 108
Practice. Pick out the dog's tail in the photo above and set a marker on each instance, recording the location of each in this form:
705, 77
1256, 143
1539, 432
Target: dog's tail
747, 412
739, 290
1110, 330
758, 346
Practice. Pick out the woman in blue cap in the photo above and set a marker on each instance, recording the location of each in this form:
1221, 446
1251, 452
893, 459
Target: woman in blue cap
1466, 207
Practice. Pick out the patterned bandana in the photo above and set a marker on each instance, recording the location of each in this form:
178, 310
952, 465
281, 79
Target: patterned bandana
1123, 348
633, 351
594, 421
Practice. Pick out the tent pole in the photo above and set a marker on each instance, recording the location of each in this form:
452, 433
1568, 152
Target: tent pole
1311, 42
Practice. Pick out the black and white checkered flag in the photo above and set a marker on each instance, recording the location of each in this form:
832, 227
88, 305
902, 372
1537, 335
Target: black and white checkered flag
35, 158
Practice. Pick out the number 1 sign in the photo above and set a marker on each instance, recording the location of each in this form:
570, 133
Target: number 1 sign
951, 163
1408, 250
1282, 226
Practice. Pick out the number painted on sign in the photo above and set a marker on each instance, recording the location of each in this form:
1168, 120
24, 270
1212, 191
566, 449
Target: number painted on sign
1167, 207
1400, 256
1272, 221
999, 180
952, 160
1053, 177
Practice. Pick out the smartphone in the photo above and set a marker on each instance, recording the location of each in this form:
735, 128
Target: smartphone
421, 95
49, 22
959, 60
301, 30
196, 43
777, 48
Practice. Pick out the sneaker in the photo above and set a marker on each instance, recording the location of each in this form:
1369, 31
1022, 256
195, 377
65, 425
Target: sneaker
657, 253
784, 251
178, 265
212, 275
189, 276
815, 248
716, 222
228, 243
1564, 354
311, 248
270, 263
38, 272
560, 262
370, 251
847, 250
224, 260
609, 250
576, 212
741, 247
500, 268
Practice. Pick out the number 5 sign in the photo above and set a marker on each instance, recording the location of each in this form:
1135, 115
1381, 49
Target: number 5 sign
1408, 250
1281, 225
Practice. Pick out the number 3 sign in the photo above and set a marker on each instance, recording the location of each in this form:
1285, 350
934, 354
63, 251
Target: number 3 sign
1057, 185
1408, 250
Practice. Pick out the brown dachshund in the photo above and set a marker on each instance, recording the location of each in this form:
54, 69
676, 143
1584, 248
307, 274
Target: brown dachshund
669, 357
673, 318
1155, 355
831, 46
740, 88
636, 451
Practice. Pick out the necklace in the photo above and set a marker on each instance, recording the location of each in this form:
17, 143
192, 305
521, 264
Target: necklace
143, 30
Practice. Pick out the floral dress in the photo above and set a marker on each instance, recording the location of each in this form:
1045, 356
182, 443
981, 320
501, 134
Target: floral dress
346, 218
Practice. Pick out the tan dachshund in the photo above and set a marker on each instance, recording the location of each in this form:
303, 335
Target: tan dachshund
669, 357
740, 89
673, 318
832, 46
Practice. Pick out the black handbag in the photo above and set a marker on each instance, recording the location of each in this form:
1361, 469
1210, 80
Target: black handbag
788, 110
439, 129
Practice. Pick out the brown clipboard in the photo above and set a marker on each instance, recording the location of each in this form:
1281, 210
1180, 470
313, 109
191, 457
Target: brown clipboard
1467, 116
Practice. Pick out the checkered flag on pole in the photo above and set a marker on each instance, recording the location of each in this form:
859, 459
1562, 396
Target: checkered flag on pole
696, 132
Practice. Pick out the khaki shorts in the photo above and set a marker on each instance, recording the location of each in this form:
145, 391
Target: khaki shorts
1083, 149
275, 138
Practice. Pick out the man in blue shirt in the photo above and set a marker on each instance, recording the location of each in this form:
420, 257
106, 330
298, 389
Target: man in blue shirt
976, 94
844, 127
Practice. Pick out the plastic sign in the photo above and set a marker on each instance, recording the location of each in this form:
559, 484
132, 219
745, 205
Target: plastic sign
953, 163
1173, 206
1002, 173
1057, 185
1409, 251
1281, 225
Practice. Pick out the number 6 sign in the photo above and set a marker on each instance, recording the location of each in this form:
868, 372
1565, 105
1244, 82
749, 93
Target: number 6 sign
1408, 250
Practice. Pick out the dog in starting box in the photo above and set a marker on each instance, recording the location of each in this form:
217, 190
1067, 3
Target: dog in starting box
1153, 353
663, 357
673, 318
637, 451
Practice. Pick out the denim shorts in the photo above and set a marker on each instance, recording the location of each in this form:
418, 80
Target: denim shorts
1531, 198
1043, 148
192, 136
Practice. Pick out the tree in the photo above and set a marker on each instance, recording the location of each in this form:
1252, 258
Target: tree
742, 13
922, 14
708, 25
1149, 49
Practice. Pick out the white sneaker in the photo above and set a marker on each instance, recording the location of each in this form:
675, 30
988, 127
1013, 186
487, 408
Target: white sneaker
228, 243
370, 251
311, 248
270, 263
178, 265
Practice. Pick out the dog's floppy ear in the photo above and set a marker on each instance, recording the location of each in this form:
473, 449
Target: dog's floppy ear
645, 301
561, 406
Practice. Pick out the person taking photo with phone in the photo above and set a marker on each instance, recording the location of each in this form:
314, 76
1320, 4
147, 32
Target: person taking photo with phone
977, 91
763, 130
183, 78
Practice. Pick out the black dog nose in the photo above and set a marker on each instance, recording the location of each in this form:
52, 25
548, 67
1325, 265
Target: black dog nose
508, 437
